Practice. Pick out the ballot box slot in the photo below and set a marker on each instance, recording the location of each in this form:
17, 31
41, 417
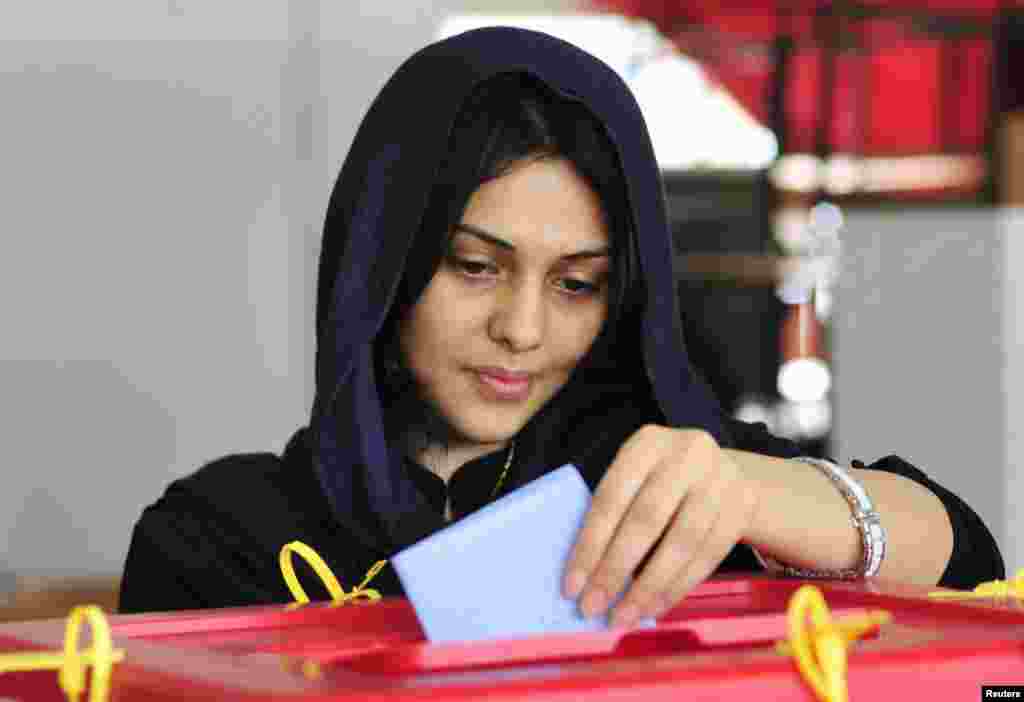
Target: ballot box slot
696, 635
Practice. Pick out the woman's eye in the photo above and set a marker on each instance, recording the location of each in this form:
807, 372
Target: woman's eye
484, 269
579, 287
474, 268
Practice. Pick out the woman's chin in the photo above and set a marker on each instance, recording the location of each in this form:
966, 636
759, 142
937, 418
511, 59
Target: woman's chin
490, 437
496, 432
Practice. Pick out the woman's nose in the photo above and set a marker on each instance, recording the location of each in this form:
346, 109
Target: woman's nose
519, 318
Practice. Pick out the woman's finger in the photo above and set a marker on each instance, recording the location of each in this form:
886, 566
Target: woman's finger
724, 534
612, 498
684, 541
644, 523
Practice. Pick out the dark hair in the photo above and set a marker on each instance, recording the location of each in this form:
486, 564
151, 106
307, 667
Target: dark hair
506, 119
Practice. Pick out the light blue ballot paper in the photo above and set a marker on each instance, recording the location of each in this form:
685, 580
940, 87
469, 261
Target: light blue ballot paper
497, 573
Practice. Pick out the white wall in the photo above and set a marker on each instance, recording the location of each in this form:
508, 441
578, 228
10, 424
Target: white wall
1012, 226
929, 352
166, 166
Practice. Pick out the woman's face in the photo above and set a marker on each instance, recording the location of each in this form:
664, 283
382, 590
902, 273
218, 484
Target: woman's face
516, 303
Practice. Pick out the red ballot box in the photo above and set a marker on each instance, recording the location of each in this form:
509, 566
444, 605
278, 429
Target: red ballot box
718, 644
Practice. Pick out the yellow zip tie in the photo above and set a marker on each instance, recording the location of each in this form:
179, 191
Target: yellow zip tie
334, 588
309, 668
71, 664
993, 588
820, 651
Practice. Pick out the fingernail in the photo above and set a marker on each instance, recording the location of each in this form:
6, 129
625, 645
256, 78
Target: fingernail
594, 603
574, 583
664, 606
624, 616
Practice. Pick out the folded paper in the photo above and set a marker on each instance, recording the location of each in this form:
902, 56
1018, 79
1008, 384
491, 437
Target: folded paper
498, 572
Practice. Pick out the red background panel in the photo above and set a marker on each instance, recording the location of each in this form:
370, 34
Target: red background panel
899, 86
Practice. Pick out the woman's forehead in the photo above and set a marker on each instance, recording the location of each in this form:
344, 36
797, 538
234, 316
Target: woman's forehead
545, 196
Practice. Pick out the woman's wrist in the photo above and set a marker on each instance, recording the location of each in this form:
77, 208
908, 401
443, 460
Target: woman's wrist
863, 517
791, 496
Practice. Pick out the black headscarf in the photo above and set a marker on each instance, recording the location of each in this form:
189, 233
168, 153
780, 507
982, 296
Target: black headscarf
375, 212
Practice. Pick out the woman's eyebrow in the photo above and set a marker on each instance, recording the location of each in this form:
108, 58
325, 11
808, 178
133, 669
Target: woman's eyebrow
497, 241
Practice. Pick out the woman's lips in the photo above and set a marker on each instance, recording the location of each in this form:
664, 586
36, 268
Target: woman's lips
503, 386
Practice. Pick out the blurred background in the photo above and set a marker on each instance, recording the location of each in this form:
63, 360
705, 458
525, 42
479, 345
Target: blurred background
844, 181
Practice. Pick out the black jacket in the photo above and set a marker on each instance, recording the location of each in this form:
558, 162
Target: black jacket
213, 539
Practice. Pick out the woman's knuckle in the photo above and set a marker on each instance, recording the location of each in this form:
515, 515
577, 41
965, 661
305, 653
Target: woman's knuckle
610, 579
677, 550
690, 533
649, 515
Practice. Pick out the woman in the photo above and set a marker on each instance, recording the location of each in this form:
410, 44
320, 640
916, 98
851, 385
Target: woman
496, 300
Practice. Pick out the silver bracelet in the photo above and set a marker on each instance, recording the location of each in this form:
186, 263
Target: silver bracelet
864, 518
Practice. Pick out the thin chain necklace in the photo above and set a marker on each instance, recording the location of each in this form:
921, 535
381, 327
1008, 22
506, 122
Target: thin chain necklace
504, 471
497, 486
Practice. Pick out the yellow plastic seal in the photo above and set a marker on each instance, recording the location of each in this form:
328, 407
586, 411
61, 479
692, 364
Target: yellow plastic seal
821, 650
70, 663
1013, 587
323, 571
310, 669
